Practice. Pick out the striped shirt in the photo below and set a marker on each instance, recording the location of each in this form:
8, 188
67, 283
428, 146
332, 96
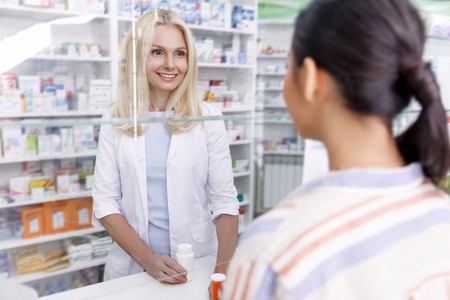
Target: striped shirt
354, 235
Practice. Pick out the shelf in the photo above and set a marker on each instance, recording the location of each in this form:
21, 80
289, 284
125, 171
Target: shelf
11, 244
213, 65
274, 122
41, 275
276, 22
271, 74
51, 114
46, 199
270, 90
242, 229
240, 109
296, 153
241, 174
285, 56
32, 12
200, 27
244, 203
37, 158
240, 142
274, 106
70, 58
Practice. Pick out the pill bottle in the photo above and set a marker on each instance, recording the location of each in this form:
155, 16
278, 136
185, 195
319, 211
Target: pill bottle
217, 279
185, 257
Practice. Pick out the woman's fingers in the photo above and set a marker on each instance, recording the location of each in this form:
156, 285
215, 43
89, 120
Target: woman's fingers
174, 269
164, 278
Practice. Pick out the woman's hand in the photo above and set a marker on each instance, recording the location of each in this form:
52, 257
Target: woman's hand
165, 269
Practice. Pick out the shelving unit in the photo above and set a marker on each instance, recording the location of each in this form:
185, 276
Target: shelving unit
12, 244
107, 30
41, 275
37, 158
273, 164
33, 201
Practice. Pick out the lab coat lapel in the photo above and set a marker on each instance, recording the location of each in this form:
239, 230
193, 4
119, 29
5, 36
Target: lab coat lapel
137, 152
175, 142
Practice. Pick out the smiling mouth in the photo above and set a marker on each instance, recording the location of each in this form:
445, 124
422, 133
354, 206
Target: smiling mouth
167, 75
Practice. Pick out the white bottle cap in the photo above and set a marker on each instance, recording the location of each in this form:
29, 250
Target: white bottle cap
218, 277
184, 248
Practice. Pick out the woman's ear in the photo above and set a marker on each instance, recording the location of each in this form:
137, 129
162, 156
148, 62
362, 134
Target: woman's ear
310, 78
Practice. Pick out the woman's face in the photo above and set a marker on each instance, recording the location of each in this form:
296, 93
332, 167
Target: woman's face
167, 62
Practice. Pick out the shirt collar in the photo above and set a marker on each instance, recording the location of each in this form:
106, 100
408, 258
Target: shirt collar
370, 178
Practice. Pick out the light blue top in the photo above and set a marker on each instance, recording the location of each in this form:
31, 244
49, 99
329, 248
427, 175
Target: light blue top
157, 142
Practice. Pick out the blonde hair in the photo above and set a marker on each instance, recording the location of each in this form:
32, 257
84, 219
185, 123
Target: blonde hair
183, 98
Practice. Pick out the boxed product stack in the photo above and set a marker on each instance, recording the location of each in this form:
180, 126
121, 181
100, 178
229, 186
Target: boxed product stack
100, 94
101, 243
28, 260
4, 266
55, 260
79, 249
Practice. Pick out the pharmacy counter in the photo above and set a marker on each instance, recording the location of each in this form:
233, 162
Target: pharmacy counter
143, 286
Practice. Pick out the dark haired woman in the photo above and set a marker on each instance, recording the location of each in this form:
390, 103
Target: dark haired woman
377, 227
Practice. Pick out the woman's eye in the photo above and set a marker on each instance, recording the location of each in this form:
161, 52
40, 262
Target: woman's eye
156, 52
180, 53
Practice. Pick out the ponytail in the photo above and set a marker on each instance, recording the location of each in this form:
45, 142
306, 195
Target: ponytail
426, 141
374, 49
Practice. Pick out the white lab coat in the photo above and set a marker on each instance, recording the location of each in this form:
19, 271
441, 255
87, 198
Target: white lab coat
198, 161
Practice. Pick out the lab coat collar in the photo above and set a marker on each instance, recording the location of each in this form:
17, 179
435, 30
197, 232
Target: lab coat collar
137, 152
175, 142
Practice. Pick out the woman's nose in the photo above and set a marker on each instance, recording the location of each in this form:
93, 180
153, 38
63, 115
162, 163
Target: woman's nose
169, 62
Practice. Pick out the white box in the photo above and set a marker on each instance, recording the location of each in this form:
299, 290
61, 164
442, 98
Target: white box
38, 103
63, 182
205, 14
89, 182
12, 141
19, 185
29, 84
82, 133
11, 103
87, 166
67, 140
48, 102
56, 144
44, 145
209, 49
83, 102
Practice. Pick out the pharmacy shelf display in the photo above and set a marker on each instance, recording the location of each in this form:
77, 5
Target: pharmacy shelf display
90, 51
18, 243
278, 147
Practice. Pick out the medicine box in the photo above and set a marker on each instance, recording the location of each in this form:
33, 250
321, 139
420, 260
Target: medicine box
19, 185
11, 103
209, 49
33, 221
56, 217
80, 213
12, 141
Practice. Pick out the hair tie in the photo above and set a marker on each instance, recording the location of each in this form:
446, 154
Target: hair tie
419, 77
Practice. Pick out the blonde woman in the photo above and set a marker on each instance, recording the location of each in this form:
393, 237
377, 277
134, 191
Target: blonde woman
152, 194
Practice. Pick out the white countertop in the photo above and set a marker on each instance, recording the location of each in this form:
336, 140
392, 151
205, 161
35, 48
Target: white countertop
143, 286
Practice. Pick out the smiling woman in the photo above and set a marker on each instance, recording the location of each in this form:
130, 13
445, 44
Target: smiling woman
166, 65
157, 192
164, 47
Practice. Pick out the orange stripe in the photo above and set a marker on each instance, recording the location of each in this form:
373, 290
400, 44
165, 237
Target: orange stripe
418, 286
287, 205
328, 219
236, 282
353, 224
447, 283
244, 295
